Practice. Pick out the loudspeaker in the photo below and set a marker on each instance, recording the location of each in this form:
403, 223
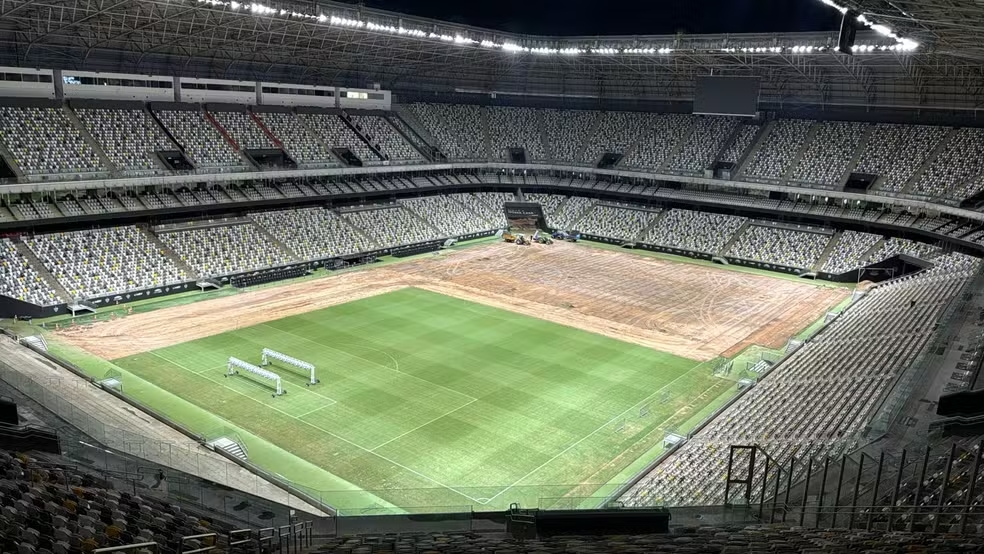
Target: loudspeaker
848, 32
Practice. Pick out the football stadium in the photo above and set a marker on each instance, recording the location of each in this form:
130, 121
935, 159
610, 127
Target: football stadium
342, 278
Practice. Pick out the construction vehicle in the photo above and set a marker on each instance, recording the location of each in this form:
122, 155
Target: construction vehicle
522, 240
508, 237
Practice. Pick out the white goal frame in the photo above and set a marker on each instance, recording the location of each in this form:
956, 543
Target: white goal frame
235, 364
270, 354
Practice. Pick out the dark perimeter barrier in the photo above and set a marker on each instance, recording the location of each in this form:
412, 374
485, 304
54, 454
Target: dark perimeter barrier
254, 278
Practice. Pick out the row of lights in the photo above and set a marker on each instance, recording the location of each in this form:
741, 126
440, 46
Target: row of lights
902, 45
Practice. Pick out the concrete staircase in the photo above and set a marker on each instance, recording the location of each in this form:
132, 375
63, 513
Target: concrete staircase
541, 127
811, 135
676, 149
422, 219
415, 125
930, 159
28, 254
756, 146
856, 158
827, 251
727, 143
483, 115
357, 230
734, 238
865, 258
347, 120
278, 243
409, 135
652, 225
266, 130
89, 139
581, 148
171, 255
228, 138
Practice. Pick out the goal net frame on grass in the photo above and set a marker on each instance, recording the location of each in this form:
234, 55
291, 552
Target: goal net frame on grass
235, 364
269, 354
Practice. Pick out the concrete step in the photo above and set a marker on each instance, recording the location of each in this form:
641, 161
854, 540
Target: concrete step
930, 159
168, 253
38, 266
483, 115
871, 251
856, 158
676, 149
9, 157
652, 225
810, 136
277, 242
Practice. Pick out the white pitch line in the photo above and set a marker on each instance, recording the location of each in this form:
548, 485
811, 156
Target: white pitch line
592, 433
309, 412
401, 435
367, 360
329, 433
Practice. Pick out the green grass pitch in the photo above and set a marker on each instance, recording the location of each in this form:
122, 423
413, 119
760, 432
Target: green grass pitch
431, 401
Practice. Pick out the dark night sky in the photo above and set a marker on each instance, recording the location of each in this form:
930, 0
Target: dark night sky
629, 17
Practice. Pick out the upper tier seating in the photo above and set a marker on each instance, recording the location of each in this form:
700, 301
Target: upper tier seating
895, 246
958, 170
897, 151
392, 225
701, 147
779, 149
696, 231
617, 132
336, 134
130, 138
243, 130
829, 154
743, 140
313, 233
201, 140
779, 245
390, 141
567, 133
101, 262
43, 141
457, 129
224, 250
656, 143
849, 252
817, 401
447, 215
306, 149
515, 127
617, 222
19, 280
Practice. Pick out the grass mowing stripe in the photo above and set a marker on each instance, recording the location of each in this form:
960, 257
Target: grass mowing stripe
425, 424
589, 435
377, 364
325, 431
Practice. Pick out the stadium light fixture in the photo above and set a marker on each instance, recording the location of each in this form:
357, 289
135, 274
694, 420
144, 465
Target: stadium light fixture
907, 45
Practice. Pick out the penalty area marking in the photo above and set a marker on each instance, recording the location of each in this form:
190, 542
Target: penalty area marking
327, 432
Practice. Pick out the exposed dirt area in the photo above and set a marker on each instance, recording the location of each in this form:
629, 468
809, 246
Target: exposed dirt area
689, 310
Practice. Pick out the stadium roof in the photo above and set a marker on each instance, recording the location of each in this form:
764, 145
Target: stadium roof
340, 44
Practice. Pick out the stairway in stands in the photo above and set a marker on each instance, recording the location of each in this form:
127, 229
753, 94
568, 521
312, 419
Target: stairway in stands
38, 266
827, 251
167, 252
734, 238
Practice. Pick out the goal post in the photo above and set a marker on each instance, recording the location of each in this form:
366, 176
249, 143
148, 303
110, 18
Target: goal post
268, 355
235, 365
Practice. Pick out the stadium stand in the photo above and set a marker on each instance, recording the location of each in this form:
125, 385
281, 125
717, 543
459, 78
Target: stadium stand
958, 171
390, 142
895, 152
203, 142
515, 127
392, 225
779, 245
457, 128
243, 129
488, 205
656, 145
894, 246
306, 149
446, 214
616, 132
815, 402
43, 141
567, 133
779, 149
617, 221
130, 138
827, 157
18, 279
106, 261
695, 231
743, 140
313, 233
220, 250
702, 145
336, 134
849, 252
